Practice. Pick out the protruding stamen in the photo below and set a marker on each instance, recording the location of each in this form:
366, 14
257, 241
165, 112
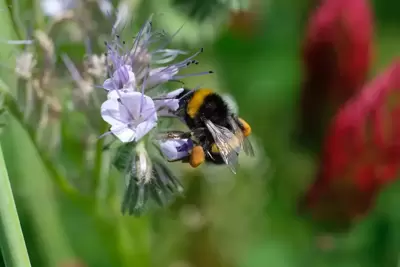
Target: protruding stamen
193, 74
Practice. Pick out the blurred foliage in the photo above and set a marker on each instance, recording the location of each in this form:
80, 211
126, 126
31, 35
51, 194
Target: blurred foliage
247, 220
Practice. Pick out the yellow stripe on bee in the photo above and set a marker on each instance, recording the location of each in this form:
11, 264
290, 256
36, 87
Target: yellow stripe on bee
196, 101
233, 143
214, 149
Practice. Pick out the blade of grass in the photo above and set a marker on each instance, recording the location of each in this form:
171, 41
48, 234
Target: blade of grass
12, 241
36, 192
99, 183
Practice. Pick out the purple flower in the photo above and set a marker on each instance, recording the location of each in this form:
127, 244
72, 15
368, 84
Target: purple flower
123, 78
146, 62
131, 116
176, 148
167, 103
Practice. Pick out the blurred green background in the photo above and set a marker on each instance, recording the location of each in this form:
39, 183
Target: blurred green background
69, 201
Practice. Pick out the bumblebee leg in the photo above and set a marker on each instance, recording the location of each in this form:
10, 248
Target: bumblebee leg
197, 157
184, 159
246, 129
170, 134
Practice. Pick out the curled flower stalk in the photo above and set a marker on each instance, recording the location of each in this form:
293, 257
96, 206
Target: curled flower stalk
147, 177
134, 111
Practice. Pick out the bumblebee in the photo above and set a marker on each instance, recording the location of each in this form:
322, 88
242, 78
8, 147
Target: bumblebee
217, 132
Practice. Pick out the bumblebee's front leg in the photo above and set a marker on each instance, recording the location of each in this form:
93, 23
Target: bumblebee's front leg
174, 135
183, 159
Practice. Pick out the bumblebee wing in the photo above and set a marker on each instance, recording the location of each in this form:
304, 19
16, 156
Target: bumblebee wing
227, 143
248, 147
244, 141
237, 130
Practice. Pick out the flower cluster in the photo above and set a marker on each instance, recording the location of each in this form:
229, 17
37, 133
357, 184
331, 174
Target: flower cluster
360, 152
132, 112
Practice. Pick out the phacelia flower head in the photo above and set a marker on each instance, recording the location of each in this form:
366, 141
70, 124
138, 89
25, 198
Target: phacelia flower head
133, 69
133, 112
337, 56
148, 58
361, 154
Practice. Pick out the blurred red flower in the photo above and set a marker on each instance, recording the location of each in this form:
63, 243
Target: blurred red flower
244, 23
336, 56
361, 153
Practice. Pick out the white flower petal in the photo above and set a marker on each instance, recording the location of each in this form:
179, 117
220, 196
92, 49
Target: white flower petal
168, 104
124, 134
130, 114
131, 80
148, 109
160, 75
165, 56
110, 84
175, 93
116, 94
131, 105
143, 128
110, 112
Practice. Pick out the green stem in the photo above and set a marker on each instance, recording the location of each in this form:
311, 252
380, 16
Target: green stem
98, 163
64, 184
12, 241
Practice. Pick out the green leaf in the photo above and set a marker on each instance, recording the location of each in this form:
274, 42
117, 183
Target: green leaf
12, 241
33, 186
